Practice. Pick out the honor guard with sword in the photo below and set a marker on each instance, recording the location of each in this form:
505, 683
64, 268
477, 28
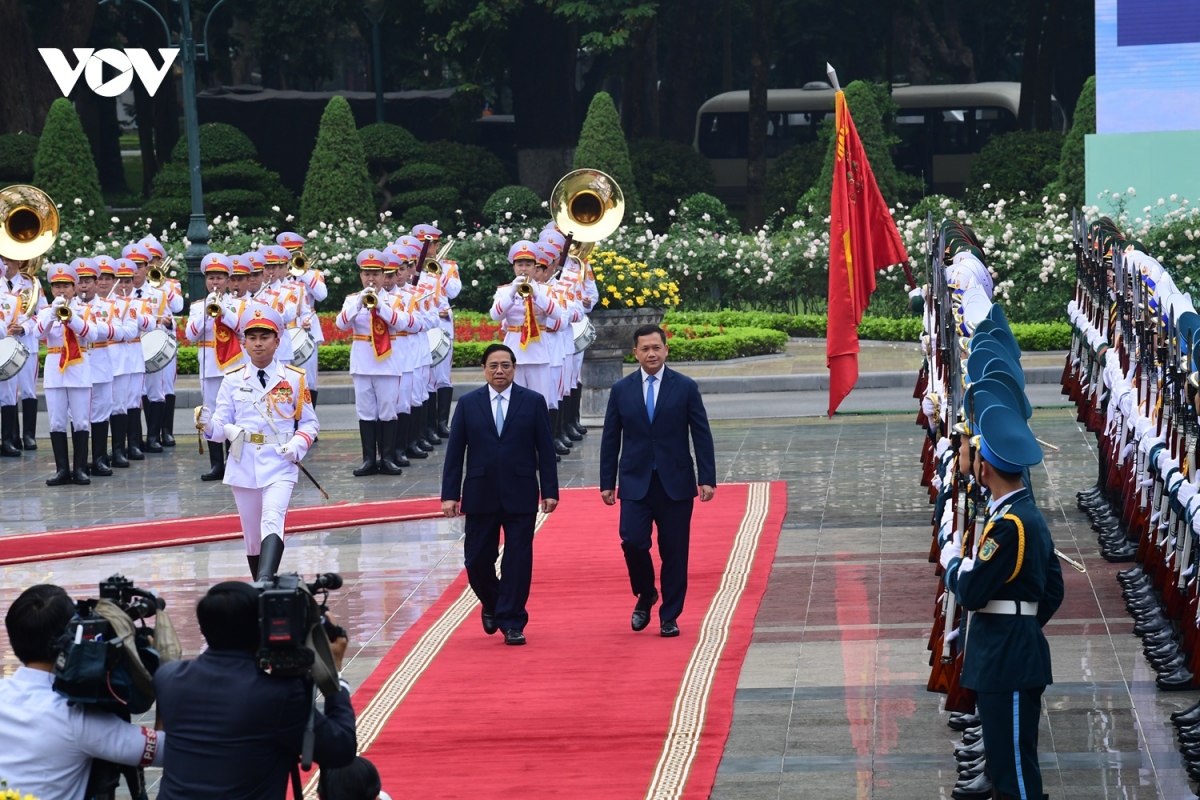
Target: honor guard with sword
373, 319
20, 283
158, 273
526, 310
67, 381
213, 327
1011, 583
265, 413
99, 312
312, 289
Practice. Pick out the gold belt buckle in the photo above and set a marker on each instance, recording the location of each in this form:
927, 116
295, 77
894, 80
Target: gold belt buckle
257, 438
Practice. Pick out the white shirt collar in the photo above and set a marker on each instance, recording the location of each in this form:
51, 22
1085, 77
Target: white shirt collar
999, 501
657, 376
506, 394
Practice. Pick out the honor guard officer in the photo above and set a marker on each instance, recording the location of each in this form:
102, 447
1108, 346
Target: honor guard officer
313, 290
174, 293
526, 309
265, 413
373, 320
98, 312
279, 296
213, 327
23, 286
67, 380
158, 303
10, 313
417, 444
1012, 584
433, 304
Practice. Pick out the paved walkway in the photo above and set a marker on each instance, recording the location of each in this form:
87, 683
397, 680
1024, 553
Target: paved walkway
831, 700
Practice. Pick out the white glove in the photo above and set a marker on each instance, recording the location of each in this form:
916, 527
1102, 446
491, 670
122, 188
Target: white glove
59, 301
952, 549
293, 450
232, 432
205, 417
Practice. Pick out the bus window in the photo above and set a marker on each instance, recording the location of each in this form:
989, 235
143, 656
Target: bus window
725, 135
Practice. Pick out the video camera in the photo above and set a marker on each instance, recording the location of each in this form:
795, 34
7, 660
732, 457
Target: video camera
288, 613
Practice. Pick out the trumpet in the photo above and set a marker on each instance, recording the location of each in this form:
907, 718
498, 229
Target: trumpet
298, 265
155, 277
213, 308
369, 298
525, 289
63, 313
433, 266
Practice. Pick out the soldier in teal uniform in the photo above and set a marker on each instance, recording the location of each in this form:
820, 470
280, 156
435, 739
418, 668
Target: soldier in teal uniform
1012, 584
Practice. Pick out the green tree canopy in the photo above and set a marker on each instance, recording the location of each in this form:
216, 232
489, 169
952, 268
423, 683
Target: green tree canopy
1070, 165
337, 185
602, 146
65, 169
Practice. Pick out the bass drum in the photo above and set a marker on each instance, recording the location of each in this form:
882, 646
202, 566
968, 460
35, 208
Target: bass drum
158, 348
439, 345
585, 334
303, 345
13, 356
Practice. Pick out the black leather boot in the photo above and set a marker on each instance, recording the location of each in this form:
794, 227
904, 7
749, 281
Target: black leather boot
431, 427
560, 433
269, 557
402, 424
154, 415
445, 396
420, 421
120, 423
100, 466
216, 462
62, 459
413, 449
559, 447
29, 423
9, 444
366, 433
571, 416
167, 425
79, 440
387, 446
253, 562
577, 393
133, 435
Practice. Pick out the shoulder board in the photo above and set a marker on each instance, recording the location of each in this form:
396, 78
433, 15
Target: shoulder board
301, 370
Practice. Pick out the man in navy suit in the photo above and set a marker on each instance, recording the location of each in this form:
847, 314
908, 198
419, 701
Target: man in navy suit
650, 413
503, 431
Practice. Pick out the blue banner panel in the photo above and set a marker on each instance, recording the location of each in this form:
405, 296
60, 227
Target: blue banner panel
1142, 22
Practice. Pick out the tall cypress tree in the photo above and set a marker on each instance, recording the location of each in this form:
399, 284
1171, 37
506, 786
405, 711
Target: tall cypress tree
602, 146
337, 185
65, 169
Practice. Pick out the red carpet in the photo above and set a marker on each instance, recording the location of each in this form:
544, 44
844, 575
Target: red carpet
20, 548
588, 709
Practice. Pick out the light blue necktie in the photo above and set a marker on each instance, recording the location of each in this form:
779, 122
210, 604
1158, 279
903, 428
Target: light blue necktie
499, 414
650, 398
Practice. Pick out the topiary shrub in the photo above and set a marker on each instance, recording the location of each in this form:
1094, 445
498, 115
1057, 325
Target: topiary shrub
336, 186
473, 171
792, 174
602, 146
387, 148
517, 201
666, 172
1070, 180
65, 169
17, 151
417, 215
1012, 163
234, 183
704, 211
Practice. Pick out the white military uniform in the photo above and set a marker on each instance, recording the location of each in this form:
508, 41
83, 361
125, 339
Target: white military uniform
202, 330
68, 382
580, 277
374, 376
280, 297
157, 303
10, 308
129, 375
313, 290
533, 360
107, 333
451, 286
27, 377
260, 412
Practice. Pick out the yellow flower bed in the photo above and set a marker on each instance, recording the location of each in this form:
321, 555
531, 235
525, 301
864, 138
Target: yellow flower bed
12, 794
631, 284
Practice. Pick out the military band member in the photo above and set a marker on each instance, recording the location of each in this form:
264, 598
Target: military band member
153, 400
526, 314
403, 355
175, 300
578, 276
67, 379
219, 347
254, 283
373, 320
10, 314
433, 304
279, 296
265, 413
312, 291
99, 313
555, 345
18, 282
124, 329
139, 311
449, 287
1012, 585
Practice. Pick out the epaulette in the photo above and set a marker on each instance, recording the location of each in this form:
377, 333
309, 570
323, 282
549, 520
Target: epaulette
301, 370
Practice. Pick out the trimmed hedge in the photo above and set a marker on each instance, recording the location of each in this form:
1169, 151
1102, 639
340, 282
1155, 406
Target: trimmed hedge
1020, 161
666, 172
337, 185
17, 152
602, 146
65, 169
1071, 163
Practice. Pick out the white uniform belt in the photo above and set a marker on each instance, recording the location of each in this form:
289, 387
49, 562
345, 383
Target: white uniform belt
1023, 608
268, 438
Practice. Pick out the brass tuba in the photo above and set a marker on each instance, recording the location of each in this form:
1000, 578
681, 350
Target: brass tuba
298, 265
587, 205
28, 228
155, 277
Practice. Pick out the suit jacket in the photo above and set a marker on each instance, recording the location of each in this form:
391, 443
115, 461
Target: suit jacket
1014, 561
662, 445
235, 732
501, 470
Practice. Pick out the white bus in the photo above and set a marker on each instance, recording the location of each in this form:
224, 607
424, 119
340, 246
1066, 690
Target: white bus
941, 129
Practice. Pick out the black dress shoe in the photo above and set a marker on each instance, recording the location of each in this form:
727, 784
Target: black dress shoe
962, 722
514, 636
1178, 681
669, 629
641, 611
489, 621
1192, 712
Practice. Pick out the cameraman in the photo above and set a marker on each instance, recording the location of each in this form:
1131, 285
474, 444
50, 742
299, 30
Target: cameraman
235, 731
46, 746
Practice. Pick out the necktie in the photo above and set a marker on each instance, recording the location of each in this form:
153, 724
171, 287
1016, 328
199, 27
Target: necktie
650, 397
262, 377
139, 292
499, 414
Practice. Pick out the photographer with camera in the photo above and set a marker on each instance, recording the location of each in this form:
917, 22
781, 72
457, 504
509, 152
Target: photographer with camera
236, 731
46, 745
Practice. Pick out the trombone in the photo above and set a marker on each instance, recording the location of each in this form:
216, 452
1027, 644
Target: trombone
299, 264
156, 276
434, 265
28, 228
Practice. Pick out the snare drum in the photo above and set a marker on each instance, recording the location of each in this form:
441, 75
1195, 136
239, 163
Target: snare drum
585, 334
303, 345
439, 345
13, 356
158, 348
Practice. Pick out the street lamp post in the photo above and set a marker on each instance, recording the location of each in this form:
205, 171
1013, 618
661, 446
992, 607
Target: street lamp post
373, 10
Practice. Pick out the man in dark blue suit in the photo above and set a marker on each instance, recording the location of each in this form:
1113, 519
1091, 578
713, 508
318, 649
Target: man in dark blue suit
502, 431
650, 413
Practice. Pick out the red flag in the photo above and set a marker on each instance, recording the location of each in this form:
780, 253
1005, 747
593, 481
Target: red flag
381, 338
862, 239
227, 347
530, 332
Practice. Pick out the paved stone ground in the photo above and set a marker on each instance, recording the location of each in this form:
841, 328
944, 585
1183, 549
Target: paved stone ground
831, 700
